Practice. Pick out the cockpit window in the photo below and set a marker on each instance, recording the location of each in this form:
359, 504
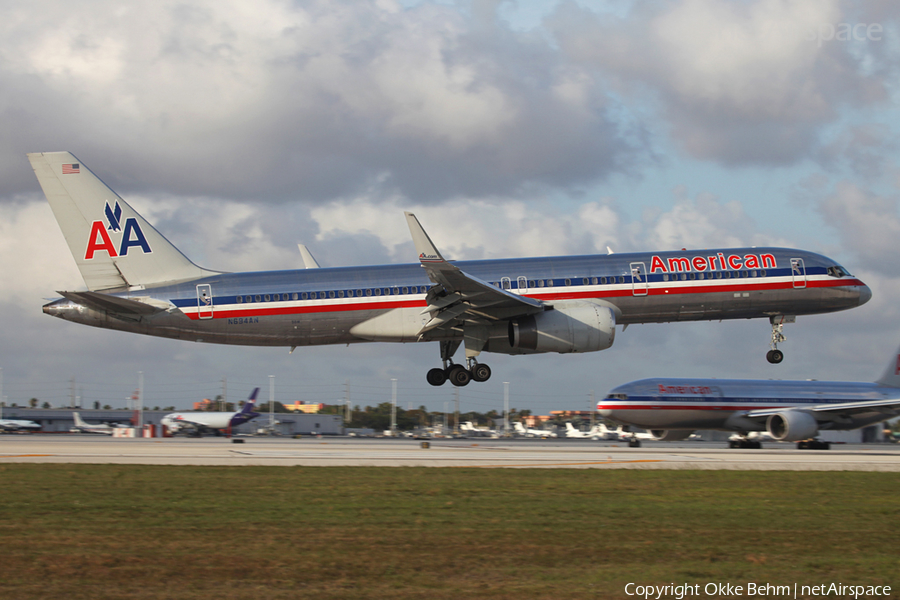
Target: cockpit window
838, 271
618, 397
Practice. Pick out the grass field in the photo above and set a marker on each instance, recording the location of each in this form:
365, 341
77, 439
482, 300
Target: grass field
110, 531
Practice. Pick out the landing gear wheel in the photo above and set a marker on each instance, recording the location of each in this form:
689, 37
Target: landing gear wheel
634, 443
436, 377
459, 376
774, 356
481, 372
813, 445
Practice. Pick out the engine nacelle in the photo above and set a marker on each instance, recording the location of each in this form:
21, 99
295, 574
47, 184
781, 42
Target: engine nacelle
671, 435
792, 426
572, 326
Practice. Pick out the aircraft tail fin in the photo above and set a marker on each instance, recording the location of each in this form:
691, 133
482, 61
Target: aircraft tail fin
891, 376
250, 404
113, 246
79, 422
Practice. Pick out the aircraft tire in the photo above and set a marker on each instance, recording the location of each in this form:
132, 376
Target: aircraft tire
774, 356
436, 377
459, 376
634, 443
481, 372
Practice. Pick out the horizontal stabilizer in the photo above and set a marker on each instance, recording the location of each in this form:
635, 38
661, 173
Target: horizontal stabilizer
114, 304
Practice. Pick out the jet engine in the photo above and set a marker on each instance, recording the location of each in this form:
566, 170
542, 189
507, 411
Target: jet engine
792, 426
572, 326
671, 435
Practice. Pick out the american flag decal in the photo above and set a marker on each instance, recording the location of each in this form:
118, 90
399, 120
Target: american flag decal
71, 169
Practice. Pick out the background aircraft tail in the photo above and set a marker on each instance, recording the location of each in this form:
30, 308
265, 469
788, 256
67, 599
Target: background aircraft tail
79, 422
891, 376
113, 246
250, 404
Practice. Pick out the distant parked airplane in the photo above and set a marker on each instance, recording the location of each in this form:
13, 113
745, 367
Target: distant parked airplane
532, 432
102, 428
791, 411
198, 423
18, 425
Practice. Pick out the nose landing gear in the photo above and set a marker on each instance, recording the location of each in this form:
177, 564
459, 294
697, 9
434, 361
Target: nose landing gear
775, 355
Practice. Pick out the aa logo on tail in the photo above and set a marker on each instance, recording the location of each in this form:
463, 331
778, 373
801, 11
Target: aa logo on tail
100, 240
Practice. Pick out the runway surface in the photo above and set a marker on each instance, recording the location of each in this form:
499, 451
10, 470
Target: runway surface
482, 453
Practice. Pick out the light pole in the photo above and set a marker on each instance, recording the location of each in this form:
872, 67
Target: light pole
394, 408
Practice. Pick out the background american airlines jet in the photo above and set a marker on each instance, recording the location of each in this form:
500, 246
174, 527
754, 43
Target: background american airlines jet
791, 411
138, 281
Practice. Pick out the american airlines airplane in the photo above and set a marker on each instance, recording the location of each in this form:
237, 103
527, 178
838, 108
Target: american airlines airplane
137, 281
791, 411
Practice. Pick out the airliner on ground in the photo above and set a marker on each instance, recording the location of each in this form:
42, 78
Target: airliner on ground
81, 426
792, 411
532, 432
137, 281
197, 423
18, 425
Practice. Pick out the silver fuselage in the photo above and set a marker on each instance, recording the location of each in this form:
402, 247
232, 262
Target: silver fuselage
322, 306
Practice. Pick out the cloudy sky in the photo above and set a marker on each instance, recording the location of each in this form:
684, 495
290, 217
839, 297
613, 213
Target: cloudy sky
510, 128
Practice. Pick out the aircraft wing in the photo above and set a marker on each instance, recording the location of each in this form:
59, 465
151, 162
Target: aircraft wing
114, 304
182, 422
826, 412
464, 296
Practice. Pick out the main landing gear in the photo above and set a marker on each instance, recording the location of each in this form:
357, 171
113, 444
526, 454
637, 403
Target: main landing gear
458, 375
745, 444
775, 355
813, 445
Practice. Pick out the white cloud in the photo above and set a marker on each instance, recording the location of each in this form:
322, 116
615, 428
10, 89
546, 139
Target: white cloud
737, 82
867, 224
282, 101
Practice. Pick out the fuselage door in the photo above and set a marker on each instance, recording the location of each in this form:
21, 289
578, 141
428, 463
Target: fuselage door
522, 285
798, 272
204, 301
639, 284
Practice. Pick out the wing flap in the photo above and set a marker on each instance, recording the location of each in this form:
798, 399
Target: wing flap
460, 287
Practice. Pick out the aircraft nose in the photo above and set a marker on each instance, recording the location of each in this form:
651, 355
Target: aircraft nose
865, 294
